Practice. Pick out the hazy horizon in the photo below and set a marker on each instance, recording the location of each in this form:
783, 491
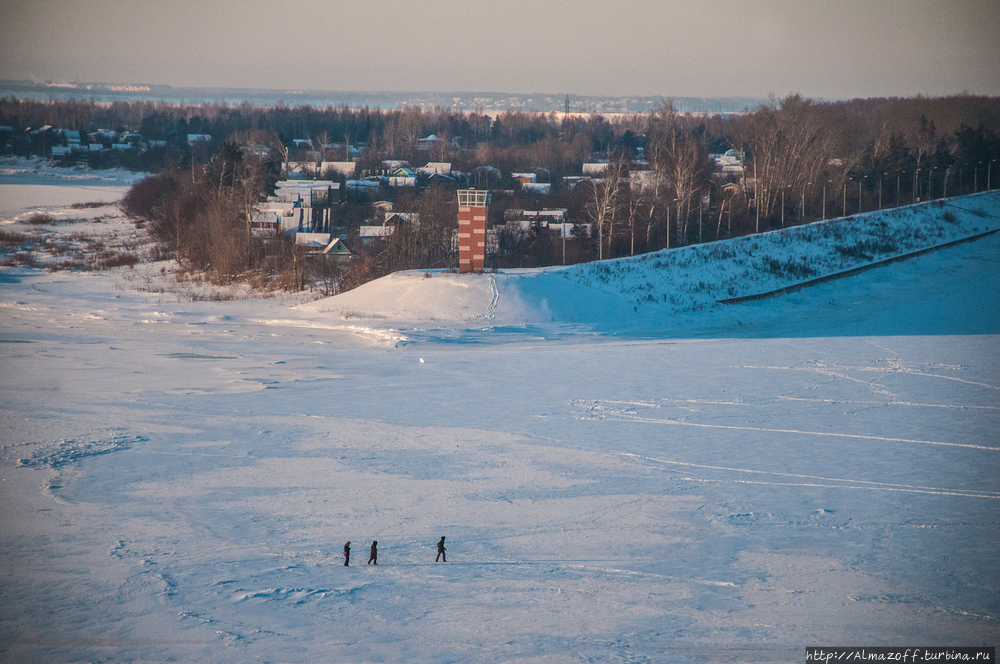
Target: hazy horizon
712, 49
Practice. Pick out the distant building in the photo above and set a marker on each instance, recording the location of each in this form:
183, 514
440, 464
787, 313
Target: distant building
344, 168
403, 177
435, 167
728, 162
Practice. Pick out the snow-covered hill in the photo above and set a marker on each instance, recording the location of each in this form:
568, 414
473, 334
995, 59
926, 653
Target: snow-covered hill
672, 292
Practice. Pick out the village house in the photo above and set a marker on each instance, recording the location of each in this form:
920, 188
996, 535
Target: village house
300, 206
342, 168
552, 220
391, 221
403, 177
435, 167
729, 162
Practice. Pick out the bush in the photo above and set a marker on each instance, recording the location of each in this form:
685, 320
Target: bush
9, 239
145, 199
109, 259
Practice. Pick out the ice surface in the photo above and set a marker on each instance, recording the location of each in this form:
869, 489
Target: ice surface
177, 479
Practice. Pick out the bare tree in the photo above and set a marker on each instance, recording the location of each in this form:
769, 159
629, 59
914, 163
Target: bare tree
787, 147
604, 199
681, 160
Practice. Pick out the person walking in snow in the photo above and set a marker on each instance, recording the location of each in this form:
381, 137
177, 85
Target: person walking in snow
441, 550
374, 557
347, 554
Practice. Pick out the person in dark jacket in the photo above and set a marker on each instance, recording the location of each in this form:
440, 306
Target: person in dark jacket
374, 557
347, 554
441, 550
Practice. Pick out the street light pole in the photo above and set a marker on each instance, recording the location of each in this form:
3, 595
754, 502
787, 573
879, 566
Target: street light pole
701, 206
668, 225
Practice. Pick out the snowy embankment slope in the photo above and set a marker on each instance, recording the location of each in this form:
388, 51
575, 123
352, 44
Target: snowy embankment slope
674, 292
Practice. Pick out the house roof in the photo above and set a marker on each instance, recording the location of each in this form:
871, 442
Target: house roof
396, 217
435, 167
375, 231
313, 240
337, 248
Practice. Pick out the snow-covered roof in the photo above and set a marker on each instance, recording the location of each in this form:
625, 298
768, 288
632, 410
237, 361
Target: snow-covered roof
315, 240
375, 231
337, 248
441, 167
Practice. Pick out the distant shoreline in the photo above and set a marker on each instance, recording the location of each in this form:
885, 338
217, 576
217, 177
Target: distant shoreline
490, 102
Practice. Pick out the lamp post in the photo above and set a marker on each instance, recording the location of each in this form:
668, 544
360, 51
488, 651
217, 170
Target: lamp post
859, 192
756, 204
713, 183
668, 225
946, 173
563, 233
824, 197
701, 206
897, 187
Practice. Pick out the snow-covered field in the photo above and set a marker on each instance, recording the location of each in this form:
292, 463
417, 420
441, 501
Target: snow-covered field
618, 481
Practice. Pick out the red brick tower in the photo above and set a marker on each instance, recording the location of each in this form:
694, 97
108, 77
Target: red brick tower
472, 229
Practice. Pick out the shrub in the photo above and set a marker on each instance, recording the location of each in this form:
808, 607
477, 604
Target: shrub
92, 204
109, 259
10, 239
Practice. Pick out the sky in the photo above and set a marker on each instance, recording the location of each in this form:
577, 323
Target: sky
707, 48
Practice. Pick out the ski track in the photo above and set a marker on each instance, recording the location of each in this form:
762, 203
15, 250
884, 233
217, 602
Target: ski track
491, 310
849, 482
651, 420
836, 372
